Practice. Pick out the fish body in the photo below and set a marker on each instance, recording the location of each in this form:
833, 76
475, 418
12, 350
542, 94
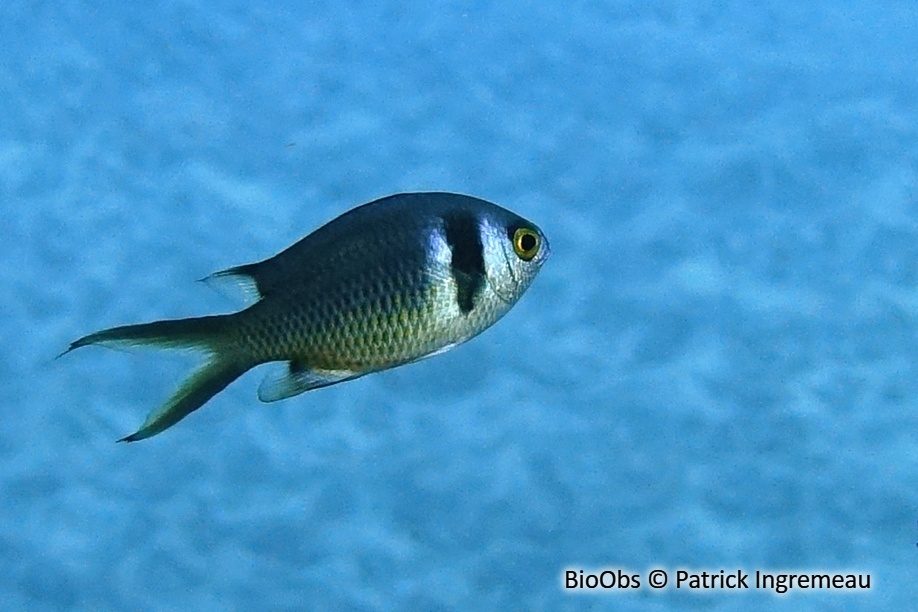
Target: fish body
385, 284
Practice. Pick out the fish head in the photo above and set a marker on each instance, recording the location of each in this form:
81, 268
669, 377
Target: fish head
514, 251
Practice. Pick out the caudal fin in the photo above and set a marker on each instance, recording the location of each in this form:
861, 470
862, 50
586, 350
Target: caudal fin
197, 332
202, 333
212, 378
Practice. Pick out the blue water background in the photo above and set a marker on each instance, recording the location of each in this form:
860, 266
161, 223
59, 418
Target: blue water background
716, 369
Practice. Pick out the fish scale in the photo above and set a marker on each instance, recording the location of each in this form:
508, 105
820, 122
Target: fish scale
385, 284
374, 324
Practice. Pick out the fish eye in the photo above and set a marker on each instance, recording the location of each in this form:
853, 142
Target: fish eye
525, 243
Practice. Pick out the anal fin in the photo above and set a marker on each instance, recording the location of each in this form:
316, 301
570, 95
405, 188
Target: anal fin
292, 378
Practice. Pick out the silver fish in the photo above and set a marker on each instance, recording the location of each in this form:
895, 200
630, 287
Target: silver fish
387, 283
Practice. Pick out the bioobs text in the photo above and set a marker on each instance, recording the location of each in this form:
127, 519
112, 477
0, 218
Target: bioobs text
606, 579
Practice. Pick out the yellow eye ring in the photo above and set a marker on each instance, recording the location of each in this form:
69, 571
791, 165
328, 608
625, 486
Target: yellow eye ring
526, 243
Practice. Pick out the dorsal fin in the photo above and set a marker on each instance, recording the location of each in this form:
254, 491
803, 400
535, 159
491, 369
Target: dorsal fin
261, 279
240, 279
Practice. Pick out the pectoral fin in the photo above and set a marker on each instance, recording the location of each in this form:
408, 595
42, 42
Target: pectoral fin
292, 378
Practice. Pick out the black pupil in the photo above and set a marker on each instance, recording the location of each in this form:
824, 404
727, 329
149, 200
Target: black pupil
527, 242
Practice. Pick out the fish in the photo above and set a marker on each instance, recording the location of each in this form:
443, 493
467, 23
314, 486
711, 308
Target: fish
388, 283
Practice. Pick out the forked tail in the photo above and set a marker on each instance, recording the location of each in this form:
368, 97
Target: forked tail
205, 334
